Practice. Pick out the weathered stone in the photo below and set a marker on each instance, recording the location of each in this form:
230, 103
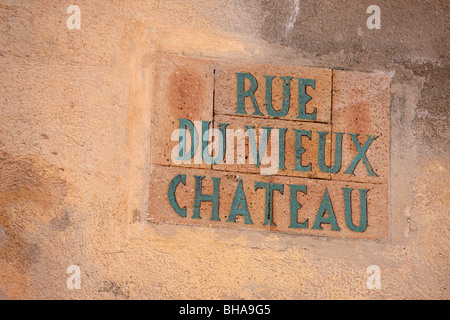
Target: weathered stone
237, 204
182, 88
297, 210
288, 139
312, 104
361, 111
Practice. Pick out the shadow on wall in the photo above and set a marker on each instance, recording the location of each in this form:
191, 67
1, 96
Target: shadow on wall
31, 201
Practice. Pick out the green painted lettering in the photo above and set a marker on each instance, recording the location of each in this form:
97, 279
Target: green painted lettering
299, 150
270, 188
337, 153
242, 94
286, 97
181, 178
281, 147
239, 205
326, 207
184, 126
361, 156
221, 138
295, 206
200, 197
258, 153
363, 211
304, 98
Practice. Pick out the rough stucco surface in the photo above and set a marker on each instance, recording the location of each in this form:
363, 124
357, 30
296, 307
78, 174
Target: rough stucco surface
74, 150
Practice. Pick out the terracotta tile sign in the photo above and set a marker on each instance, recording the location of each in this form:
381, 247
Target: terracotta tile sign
297, 150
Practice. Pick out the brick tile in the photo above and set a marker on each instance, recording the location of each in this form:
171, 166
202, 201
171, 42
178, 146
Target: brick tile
361, 103
377, 208
310, 155
161, 211
182, 88
226, 82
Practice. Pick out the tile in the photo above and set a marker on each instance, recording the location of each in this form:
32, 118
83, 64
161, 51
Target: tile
315, 194
297, 136
239, 205
331, 170
360, 110
314, 98
182, 89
